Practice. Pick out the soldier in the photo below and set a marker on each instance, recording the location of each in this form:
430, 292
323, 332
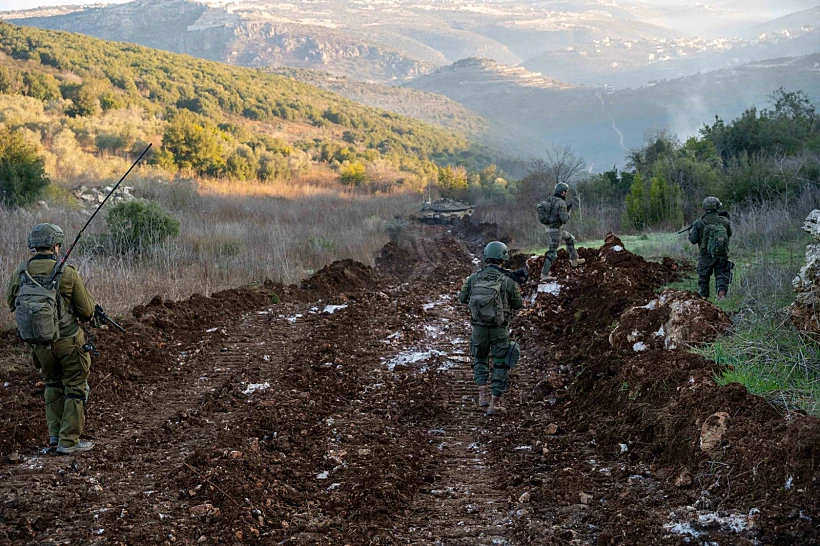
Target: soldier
554, 214
712, 232
56, 338
491, 293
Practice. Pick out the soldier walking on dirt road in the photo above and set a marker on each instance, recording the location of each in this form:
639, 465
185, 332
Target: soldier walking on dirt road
711, 233
554, 214
491, 294
48, 320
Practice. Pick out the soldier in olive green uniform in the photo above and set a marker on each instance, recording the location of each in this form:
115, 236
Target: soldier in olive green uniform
64, 364
706, 262
491, 294
554, 214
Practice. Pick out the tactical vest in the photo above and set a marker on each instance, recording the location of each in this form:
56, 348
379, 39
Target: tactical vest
548, 212
487, 298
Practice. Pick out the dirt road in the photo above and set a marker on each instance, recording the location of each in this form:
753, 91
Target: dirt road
345, 414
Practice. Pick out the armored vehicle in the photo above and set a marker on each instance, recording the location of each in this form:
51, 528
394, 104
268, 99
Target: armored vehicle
444, 211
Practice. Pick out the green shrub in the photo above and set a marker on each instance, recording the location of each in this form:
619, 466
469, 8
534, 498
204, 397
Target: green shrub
22, 171
136, 226
353, 174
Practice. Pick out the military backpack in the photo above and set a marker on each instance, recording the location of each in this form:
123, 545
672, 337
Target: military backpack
548, 211
486, 301
717, 240
39, 308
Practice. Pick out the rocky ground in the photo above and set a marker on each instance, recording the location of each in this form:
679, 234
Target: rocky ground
345, 414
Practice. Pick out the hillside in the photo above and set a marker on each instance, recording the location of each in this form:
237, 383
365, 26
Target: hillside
603, 125
245, 114
374, 41
792, 22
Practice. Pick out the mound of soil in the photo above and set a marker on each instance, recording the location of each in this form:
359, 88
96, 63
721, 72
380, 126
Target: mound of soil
340, 277
674, 319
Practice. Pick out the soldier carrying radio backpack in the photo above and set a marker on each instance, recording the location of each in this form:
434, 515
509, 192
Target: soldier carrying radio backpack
48, 314
712, 233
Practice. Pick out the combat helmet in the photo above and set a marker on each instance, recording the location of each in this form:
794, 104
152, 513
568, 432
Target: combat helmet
711, 203
45, 236
496, 251
560, 188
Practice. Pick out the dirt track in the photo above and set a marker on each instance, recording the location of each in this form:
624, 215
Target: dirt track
233, 420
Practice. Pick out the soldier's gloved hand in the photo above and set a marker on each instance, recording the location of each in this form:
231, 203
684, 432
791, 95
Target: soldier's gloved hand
570, 206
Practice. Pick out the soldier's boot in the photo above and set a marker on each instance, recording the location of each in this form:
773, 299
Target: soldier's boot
495, 406
82, 445
483, 396
545, 271
577, 261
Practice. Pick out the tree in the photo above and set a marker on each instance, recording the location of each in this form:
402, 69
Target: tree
193, 143
353, 174
22, 171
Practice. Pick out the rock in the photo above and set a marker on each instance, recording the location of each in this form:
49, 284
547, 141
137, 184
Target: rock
205, 510
235, 454
684, 479
675, 318
551, 429
712, 431
525, 497
585, 498
14, 458
807, 284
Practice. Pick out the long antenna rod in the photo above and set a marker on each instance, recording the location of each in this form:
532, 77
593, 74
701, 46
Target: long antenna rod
60, 266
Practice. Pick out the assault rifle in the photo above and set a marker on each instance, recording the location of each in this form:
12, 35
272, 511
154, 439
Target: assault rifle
520, 276
100, 317
61, 264
689, 228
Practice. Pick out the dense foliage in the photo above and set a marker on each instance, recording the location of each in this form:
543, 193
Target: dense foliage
221, 120
22, 172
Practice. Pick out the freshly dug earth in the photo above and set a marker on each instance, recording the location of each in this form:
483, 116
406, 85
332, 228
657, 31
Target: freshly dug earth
345, 414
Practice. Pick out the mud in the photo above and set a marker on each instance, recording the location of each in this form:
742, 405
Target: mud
345, 414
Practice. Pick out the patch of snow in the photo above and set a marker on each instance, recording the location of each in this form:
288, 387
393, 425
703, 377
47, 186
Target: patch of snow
682, 529
330, 309
652, 305
266, 358
624, 448
294, 317
523, 448
211, 330
411, 357
789, 482
333, 486
639, 346
617, 248
447, 365
661, 332
323, 475
552, 288
432, 331
476, 261
262, 312
253, 387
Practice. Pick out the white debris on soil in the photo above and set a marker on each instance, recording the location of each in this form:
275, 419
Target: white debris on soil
411, 357
253, 387
661, 332
432, 331
789, 481
323, 475
523, 448
333, 486
294, 317
442, 300
698, 524
552, 288
617, 248
211, 330
639, 346
330, 309
476, 261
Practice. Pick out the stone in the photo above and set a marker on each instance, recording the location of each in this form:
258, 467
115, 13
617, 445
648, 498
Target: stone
205, 510
713, 430
524, 498
585, 498
551, 429
684, 479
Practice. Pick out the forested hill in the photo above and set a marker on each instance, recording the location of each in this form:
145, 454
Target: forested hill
84, 77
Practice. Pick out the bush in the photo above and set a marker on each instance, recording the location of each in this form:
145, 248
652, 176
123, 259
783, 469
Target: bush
136, 226
353, 174
22, 171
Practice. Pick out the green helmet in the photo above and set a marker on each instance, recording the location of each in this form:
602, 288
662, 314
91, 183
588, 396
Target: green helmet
45, 236
496, 251
711, 203
560, 188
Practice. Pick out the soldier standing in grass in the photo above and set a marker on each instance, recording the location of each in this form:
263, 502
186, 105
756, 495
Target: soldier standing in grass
48, 320
491, 295
554, 214
711, 233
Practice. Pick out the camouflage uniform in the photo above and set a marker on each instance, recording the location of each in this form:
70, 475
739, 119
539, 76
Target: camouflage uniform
63, 364
487, 339
555, 217
706, 263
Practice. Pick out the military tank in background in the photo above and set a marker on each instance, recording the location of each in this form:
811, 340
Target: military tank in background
444, 211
